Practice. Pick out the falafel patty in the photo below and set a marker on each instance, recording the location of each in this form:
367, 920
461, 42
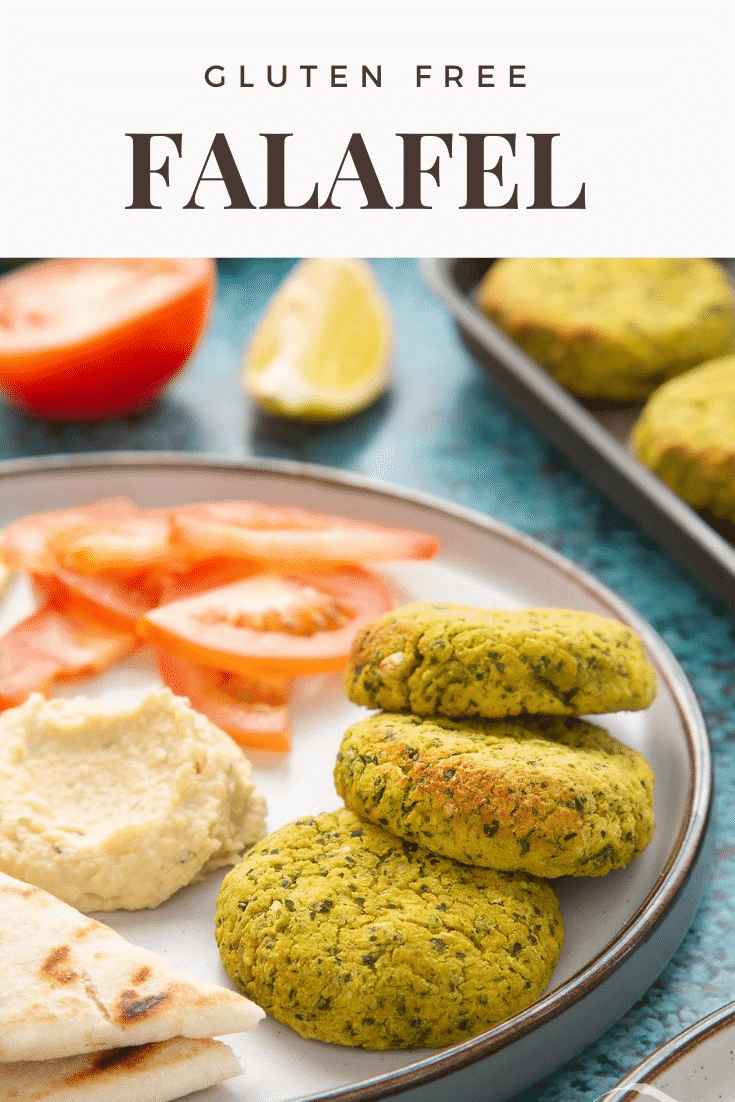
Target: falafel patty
347, 934
549, 796
457, 661
612, 327
686, 435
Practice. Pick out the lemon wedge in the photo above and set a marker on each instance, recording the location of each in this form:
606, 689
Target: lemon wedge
322, 348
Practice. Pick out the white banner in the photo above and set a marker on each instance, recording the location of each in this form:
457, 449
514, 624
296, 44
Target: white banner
154, 127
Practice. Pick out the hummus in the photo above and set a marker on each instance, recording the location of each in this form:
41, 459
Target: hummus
111, 807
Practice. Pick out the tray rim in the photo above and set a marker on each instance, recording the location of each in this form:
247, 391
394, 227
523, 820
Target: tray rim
688, 851
666, 517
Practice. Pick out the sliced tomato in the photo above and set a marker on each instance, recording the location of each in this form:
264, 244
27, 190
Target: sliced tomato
22, 672
97, 599
116, 602
271, 625
126, 540
78, 648
125, 544
284, 538
254, 711
205, 575
25, 544
50, 644
99, 337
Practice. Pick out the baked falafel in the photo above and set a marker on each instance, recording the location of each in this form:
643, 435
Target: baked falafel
686, 435
349, 935
452, 660
550, 796
612, 327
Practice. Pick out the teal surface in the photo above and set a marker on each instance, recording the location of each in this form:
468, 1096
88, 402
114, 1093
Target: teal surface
444, 430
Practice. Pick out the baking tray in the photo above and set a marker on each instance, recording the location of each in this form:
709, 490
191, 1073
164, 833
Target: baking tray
592, 437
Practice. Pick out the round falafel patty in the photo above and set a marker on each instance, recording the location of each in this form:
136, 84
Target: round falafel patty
686, 435
347, 934
612, 327
458, 661
546, 795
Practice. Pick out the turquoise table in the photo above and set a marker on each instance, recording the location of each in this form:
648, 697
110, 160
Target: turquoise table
444, 430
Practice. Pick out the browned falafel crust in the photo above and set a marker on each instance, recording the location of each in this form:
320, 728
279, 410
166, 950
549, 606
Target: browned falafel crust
349, 935
613, 328
454, 660
549, 795
686, 435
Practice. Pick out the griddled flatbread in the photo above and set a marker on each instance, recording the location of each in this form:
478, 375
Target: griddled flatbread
147, 1073
72, 985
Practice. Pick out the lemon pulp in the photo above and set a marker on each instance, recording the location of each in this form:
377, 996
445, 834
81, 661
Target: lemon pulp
322, 348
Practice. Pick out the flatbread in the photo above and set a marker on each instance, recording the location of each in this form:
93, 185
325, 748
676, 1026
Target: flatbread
157, 1072
72, 985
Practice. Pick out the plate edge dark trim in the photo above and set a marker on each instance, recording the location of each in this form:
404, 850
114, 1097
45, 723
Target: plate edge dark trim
693, 835
669, 1054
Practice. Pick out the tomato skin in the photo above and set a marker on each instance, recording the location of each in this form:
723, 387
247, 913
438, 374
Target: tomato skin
26, 541
204, 630
118, 603
253, 712
49, 644
287, 538
204, 575
95, 599
111, 371
23, 672
125, 544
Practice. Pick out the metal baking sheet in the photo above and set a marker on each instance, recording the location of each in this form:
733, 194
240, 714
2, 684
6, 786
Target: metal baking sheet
592, 437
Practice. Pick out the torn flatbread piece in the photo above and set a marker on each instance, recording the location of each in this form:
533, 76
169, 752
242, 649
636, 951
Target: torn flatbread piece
160, 1072
71, 985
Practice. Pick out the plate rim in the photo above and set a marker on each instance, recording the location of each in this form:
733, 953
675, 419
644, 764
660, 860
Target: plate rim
687, 848
670, 1052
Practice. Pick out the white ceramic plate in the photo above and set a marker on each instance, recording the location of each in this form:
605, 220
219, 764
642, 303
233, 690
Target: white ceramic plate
697, 1065
621, 930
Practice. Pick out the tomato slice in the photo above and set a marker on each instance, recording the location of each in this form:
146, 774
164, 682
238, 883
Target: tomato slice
285, 537
23, 672
120, 540
203, 576
99, 337
271, 625
122, 544
50, 644
253, 711
25, 543
97, 599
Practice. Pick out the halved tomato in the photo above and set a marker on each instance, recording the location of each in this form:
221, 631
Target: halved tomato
252, 710
285, 537
271, 625
99, 337
50, 644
